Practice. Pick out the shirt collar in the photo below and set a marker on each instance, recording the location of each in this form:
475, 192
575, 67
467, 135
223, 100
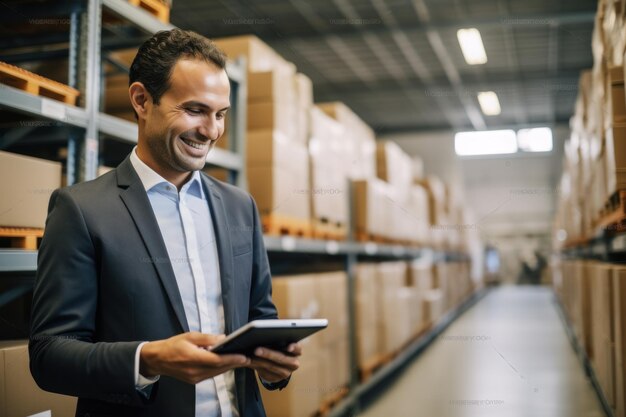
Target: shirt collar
149, 178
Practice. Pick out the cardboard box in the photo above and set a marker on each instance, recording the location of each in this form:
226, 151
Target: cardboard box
267, 115
616, 96
19, 394
420, 275
394, 166
392, 320
619, 332
302, 397
432, 305
358, 140
615, 157
332, 291
367, 312
259, 56
278, 174
26, 184
602, 330
277, 86
368, 203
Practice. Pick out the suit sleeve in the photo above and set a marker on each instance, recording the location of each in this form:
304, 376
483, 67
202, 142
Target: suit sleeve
65, 356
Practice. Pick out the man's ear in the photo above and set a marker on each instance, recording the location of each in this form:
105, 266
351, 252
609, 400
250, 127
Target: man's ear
140, 99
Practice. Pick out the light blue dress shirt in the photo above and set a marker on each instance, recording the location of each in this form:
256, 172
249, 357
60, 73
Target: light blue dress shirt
185, 223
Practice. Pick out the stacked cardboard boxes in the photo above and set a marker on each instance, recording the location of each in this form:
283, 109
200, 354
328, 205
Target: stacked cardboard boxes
329, 172
358, 139
19, 394
26, 184
324, 366
276, 153
366, 314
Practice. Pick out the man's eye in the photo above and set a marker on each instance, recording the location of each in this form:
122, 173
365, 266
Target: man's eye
194, 111
220, 116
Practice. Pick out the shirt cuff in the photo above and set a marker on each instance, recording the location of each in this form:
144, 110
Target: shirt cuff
141, 382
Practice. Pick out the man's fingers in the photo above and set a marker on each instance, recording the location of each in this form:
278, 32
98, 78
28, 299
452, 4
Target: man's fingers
265, 367
203, 339
279, 358
294, 349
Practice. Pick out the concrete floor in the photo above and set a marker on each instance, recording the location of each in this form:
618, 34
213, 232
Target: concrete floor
508, 356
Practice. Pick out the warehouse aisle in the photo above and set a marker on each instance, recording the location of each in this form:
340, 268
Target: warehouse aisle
508, 356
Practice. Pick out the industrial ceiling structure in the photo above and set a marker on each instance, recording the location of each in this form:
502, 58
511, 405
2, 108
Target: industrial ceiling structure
399, 65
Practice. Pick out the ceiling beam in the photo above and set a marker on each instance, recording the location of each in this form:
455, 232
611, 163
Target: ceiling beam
410, 53
564, 80
436, 43
519, 21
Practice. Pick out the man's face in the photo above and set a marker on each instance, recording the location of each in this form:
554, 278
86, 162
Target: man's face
184, 127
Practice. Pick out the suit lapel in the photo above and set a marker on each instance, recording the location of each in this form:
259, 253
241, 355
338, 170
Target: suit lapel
136, 201
224, 249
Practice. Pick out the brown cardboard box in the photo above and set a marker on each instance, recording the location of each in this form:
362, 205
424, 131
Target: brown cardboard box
394, 166
272, 115
617, 98
19, 394
358, 140
619, 332
259, 56
332, 291
583, 305
278, 175
277, 86
615, 150
602, 330
367, 312
391, 321
420, 275
302, 397
279, 191
304, 99
26, 184
368, 199
433, 305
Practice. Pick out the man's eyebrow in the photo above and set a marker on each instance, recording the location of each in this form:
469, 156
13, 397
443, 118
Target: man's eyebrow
195, 103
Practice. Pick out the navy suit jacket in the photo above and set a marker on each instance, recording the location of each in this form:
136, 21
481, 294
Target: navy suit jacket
105, 283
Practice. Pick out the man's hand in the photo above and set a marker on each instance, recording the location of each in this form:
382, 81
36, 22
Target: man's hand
185, 357
273, 365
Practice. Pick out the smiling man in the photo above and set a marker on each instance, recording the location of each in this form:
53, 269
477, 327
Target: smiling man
142, 270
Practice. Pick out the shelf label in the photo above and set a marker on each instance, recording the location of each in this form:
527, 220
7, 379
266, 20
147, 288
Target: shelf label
288, 243
371, 248
332, 247
52, 109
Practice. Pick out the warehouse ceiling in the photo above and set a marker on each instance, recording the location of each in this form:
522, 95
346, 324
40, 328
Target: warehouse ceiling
398, 63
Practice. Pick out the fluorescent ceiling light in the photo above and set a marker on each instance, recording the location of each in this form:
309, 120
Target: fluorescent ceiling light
538, 139
472, 46
489, 103
490, 142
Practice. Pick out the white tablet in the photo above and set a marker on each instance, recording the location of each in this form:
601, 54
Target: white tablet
272, 334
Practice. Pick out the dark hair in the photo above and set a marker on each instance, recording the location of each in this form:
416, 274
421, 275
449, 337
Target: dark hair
157, 56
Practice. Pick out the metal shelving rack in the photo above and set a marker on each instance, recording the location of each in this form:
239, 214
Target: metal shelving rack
85, 74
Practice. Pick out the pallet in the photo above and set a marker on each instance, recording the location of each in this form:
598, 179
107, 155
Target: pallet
21, 237
328, 404
157, 8
613, 216
277, 225
36, 84
323, 229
